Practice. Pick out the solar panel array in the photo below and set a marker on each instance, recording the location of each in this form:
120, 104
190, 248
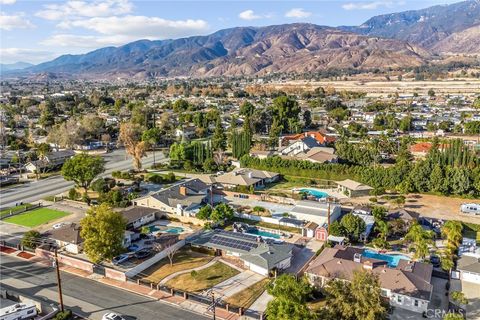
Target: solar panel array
233, 243
238, 235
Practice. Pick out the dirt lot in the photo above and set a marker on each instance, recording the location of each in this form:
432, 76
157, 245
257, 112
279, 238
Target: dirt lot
431, 206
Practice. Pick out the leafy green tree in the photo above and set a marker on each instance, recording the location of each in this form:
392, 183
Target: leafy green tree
437, 179
31, 239
383, 229
82, 169
419, 239
453, 316
338, 114
336, 229
219, 139
221, 213
204, 212
290, 297
307, 118
452, 231
358, 299
459, 297
353, 225
102, 231
247, 109
285, 112
472, 127
405, 124
379, 213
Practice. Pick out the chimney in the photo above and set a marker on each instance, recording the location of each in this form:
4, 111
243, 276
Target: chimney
357, 257
368, 265
183, 190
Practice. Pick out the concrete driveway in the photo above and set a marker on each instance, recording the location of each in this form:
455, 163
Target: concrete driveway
472, 292
237, 283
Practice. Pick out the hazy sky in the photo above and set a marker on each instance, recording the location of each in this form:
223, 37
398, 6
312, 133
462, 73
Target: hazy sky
36, 31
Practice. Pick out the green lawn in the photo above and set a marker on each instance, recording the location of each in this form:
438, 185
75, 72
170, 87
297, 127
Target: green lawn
6, 212
247, 296
183, 260
36, 217
204, 279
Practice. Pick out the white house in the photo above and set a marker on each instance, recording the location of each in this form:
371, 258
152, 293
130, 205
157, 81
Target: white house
317, 212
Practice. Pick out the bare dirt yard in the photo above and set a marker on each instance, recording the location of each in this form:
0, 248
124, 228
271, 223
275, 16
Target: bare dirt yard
431, 206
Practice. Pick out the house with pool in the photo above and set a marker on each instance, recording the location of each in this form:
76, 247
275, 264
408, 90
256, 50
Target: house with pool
319, 212
255, 252
183, 199
404, 283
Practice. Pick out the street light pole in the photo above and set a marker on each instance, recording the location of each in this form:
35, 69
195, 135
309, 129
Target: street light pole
59, 281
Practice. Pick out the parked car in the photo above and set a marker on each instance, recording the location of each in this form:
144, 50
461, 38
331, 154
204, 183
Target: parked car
120, 259
58, 225
143, 253
435, 261
112, 316
133, 247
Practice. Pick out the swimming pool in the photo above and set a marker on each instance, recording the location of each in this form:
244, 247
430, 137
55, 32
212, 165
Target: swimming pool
314, 192
261, 233
176, 230
391, 259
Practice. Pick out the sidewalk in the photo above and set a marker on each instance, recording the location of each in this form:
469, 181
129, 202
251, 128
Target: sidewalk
152, 293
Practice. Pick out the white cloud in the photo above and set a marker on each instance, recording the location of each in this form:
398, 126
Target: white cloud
7, 1
371, 5
249, 15
82, 41
138, 27
74, 9
297, 13
16, 21
12, 55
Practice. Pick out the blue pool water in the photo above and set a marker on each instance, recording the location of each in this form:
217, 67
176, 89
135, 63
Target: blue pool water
175, 230
316, 193
265, 234
391, 259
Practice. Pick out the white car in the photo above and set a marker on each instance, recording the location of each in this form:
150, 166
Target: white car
58, 225
112, 316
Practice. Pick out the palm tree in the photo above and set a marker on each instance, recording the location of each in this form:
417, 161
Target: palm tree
452, 231
383, 229
419, 239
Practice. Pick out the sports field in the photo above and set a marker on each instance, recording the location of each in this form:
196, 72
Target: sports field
36, 217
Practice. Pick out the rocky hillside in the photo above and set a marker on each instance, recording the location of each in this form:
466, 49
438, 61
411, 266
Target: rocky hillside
426, 27
282, 48
463, 42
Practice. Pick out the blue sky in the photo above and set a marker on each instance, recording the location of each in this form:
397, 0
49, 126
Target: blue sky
36, 31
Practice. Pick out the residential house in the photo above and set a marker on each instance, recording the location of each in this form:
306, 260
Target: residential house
256, 254
51, 160
246, 177
353, 188
314, 211
299, 146
406, 285
183, 199
469, 268
322, 138
67, 237
139, 216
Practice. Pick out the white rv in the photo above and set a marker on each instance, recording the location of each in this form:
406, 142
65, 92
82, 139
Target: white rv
18, 311
470, 208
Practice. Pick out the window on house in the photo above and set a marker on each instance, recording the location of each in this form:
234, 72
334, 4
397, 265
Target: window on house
384, 293
399, 299
416, 303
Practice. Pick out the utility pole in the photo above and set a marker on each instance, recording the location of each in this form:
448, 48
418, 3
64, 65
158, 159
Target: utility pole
213, 304
59, 281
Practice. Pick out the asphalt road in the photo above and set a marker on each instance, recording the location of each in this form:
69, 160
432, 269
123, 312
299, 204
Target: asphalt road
85, 297
37, 190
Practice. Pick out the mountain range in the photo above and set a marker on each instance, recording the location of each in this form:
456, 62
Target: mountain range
404, 39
